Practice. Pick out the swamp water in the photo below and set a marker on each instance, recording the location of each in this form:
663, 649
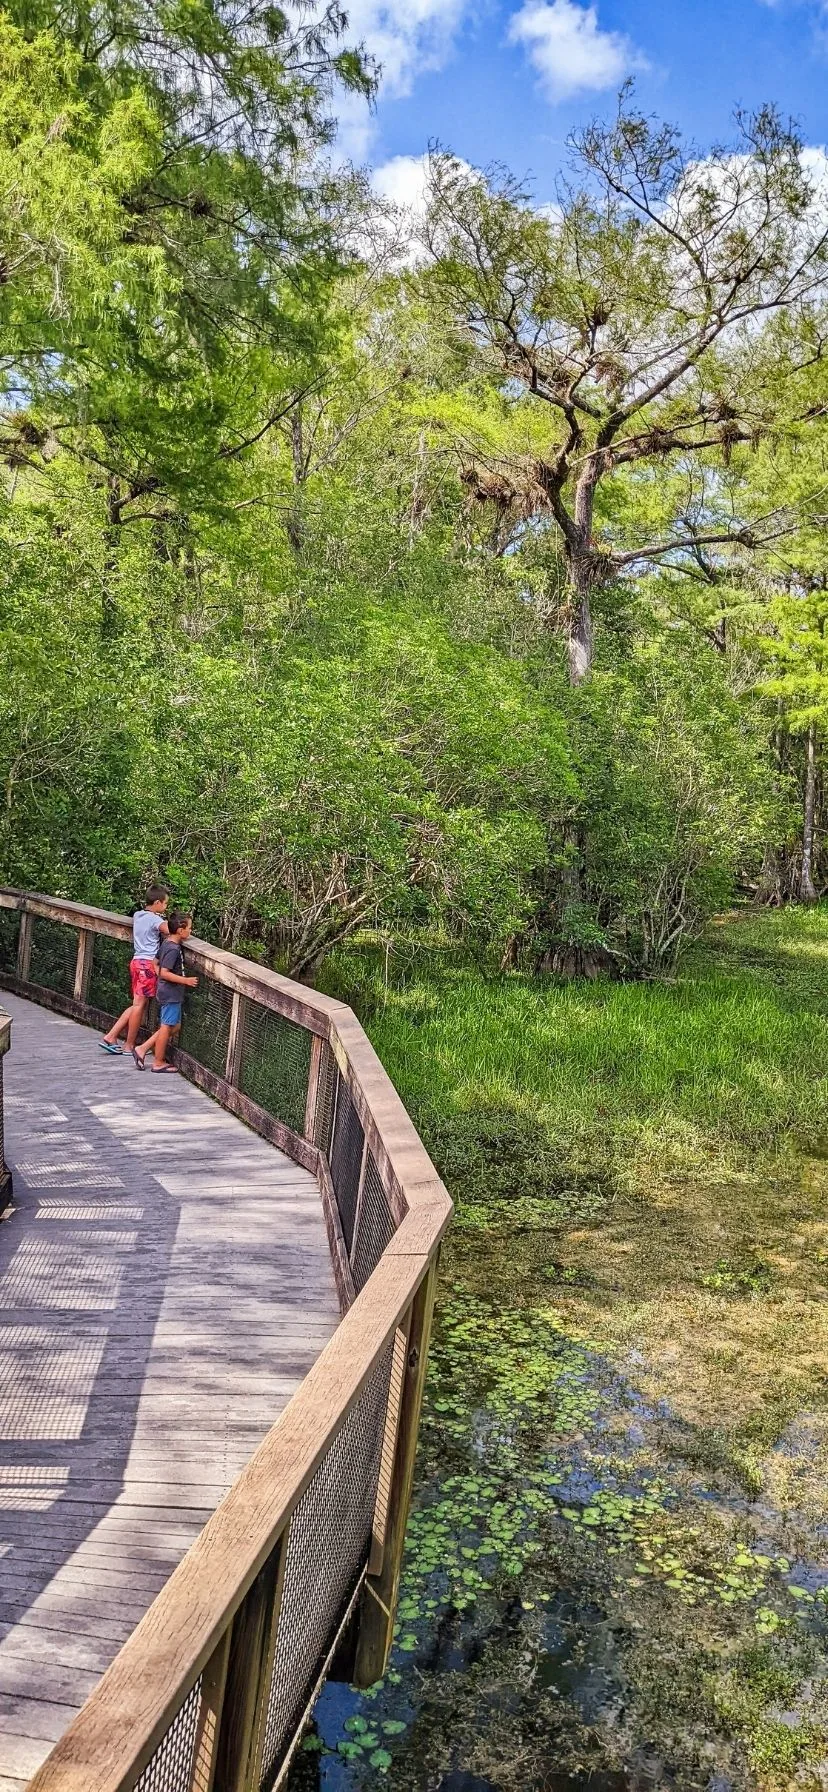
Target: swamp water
618, 1558
617, 1566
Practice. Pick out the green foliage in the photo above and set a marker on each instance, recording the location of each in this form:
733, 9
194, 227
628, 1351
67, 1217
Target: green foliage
678, 795
552, 1099
371, 764
74, 760
338, 701
166, 247
752, 1697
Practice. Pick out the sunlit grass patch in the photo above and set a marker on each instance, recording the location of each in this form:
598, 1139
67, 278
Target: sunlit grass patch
733, 1056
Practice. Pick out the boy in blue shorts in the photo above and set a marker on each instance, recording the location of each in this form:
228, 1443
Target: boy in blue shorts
172, 982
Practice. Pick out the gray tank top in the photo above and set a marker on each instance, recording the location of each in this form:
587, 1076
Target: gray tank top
146, 934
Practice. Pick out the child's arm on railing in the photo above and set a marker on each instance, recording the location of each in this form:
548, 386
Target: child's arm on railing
173, 977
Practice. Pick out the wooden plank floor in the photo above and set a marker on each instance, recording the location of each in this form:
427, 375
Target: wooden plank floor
165, 1284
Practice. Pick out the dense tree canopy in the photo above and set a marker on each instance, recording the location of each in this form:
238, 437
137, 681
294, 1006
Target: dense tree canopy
478, 595
170, 249
630, 313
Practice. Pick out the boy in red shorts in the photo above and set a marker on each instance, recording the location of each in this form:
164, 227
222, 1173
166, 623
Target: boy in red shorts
148, 930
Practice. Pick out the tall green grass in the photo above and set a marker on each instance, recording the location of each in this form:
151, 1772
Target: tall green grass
693, 1077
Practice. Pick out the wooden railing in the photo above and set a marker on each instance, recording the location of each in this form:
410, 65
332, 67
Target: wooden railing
212, 1690
5, 1173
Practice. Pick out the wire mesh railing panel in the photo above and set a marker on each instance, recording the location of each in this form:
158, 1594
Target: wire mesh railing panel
346, 1160
275, 1062
376, 1226
325, 1099
170, 1769
109, 977
53, 957
327, 1553
206, 1030
9, 936
389, 1441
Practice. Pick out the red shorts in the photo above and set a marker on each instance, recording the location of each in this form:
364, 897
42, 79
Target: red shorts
144, 977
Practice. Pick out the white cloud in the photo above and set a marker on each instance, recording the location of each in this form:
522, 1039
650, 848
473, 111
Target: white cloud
403, 181
356, 128
571, 53
407, 37
814, 160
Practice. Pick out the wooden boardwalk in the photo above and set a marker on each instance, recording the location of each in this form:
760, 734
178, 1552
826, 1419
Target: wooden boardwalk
165, 1284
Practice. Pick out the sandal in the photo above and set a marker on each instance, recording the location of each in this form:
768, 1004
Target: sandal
139, 1062
115, 1051
163, 1070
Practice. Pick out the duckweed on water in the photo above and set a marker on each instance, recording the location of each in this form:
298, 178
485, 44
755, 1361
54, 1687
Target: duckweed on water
524, 1491
528, 1385
500, 1384
755, 1277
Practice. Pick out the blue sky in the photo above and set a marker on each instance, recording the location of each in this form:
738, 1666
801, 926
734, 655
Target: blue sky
506, 80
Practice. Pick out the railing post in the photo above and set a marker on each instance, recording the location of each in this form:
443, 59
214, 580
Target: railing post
235, 1040
213, 1683
83, 965
379, 1599
5, 1173
24, 947
388, 1456
359, 1200
313, 1088
249, 1670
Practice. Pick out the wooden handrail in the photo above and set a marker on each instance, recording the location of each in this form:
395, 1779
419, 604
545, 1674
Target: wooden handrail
380, 1109
5, 1173
196, 1626
119, 1727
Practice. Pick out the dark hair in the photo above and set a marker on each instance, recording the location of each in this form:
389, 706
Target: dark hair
178, 918
155, 893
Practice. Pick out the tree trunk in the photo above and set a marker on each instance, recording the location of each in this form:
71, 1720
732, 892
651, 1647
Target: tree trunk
295, 520
114, 518
579, 644
564, 956
769, 888
581, 574
511, 953
807, 890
